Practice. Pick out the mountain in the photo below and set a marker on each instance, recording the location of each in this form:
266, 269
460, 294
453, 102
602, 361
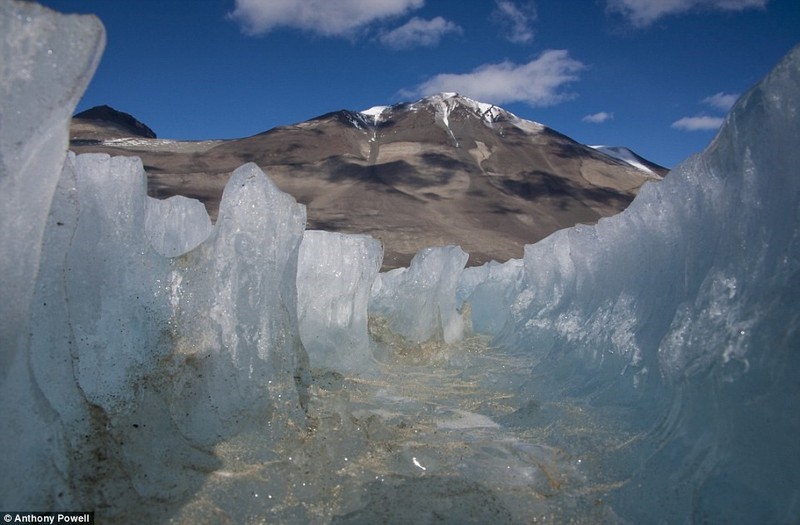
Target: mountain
442, 170
105, 122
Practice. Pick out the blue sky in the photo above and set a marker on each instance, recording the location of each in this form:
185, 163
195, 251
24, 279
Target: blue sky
654, 75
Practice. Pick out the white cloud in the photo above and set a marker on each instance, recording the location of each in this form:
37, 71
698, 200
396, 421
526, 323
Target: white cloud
642, 13
723, 101
539, 82
516, 21
325, 17
598, 118
418, 32
698, 123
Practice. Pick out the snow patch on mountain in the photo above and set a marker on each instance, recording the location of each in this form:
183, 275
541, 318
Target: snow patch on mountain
376, 114
625, 155
356, 119
488, 113
443, 105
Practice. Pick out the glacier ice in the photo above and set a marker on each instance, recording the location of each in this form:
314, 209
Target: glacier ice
168, 356
37, 44
683, 310
420, 301
47, 62
176, 225
157, 366
334, 280
235, 313
488, 289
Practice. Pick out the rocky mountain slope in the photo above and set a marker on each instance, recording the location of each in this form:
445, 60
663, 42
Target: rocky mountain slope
442, 170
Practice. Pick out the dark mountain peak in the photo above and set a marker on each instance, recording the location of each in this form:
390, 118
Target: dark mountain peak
122, 121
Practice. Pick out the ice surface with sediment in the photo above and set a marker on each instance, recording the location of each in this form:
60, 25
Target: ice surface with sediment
643, 369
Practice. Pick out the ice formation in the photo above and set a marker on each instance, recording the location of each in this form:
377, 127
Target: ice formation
36, 45
47, 62
420, 301
176, 225
155, 367
681, 313
334, 279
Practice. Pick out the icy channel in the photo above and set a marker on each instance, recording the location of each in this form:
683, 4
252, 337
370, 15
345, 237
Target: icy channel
437, 435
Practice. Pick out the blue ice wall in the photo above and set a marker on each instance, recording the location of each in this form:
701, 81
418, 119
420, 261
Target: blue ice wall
680, 318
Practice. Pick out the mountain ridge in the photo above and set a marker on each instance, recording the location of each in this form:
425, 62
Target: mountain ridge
441, 170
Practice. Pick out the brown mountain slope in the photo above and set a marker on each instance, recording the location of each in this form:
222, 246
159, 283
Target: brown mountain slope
443, 170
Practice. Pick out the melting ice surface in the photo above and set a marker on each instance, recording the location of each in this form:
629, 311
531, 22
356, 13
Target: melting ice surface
158, 369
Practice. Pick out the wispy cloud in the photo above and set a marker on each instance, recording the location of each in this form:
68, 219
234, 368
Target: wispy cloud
723, 101
540, 82
324, 17
598, 118
515, 21
419, 33
698, 123
642, 13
